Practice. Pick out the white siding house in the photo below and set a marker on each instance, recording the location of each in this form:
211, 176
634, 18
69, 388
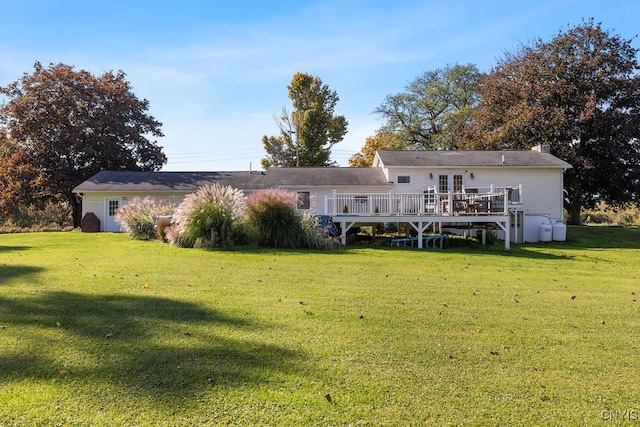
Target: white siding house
519, 191
533, 178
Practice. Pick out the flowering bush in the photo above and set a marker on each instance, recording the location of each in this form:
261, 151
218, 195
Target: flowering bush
207, 216
138, 218
271, 215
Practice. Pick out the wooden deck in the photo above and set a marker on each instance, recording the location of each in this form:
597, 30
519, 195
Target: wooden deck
421, 210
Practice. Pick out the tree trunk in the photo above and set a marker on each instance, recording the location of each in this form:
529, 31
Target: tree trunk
573, 212
76, 207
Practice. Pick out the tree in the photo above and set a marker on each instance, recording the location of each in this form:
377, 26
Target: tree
383, 140
19, 179
310, 131
433, 104
578, 93
72, 124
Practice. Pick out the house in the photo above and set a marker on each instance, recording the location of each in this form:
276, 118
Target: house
521, 192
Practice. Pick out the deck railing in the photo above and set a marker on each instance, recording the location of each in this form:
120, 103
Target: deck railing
482, 201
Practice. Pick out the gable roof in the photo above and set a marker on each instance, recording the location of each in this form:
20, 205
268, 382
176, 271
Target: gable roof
470, 158
114, 181
334, 177
169, 181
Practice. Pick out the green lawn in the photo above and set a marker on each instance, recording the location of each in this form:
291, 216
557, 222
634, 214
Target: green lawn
97, 329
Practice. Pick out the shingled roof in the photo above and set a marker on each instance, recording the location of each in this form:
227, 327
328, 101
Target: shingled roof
333, 177
169, 181
460, 158
114, 181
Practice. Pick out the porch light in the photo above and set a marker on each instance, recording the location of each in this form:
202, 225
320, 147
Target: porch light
430, 176
471, 175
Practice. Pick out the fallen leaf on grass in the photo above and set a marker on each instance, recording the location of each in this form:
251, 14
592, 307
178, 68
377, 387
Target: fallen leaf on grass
109, 335
328, 397
63, 372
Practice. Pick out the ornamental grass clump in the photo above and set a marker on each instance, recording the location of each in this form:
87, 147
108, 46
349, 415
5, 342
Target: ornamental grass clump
271, 215
138, 217
312, 236
206, 216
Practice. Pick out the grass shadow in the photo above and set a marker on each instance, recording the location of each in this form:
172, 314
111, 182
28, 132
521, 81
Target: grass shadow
140, 346
10, 272
13, 248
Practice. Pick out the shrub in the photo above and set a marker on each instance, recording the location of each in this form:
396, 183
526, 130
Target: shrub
241, 232
207, 214
312, 236
606, 214
272, 217
137, 219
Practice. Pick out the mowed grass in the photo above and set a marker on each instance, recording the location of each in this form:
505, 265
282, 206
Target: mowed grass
97, 329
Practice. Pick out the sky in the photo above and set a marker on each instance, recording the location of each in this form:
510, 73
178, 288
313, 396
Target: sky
215, 73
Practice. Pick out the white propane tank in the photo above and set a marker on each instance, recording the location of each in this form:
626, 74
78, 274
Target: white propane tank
545, 233
559, 232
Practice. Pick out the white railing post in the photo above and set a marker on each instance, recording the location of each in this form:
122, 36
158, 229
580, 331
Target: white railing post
505, 195
391, 210
335, 202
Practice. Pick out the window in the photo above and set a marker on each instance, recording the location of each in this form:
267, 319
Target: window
457, 183
443, 184
304, 199
404, 179
113, 207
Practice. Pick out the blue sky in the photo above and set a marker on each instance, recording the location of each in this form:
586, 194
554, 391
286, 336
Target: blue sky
215, 73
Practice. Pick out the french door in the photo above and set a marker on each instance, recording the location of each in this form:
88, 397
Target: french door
450, 182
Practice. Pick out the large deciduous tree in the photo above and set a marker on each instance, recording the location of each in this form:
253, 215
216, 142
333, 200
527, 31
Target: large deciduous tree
578, 93
71, 124
18, 178
308, 133
433, 104
382, 140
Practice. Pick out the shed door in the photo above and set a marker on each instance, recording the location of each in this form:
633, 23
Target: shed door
111, 206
